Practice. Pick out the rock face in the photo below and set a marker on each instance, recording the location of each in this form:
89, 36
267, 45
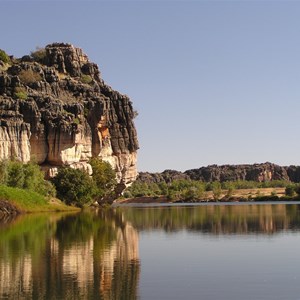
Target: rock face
56, 109
166, 176
256, 172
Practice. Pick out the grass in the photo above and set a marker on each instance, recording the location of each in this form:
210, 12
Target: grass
29, 76
29, 201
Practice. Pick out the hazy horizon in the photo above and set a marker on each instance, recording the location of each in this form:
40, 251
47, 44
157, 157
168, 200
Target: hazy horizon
214, 82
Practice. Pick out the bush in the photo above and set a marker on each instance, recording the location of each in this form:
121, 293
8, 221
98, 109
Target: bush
16, 175
39, 55
87, 79
21, 93
216, 189
4, 57
76, 121
74, 186
25, 176
190, 194
34, 180
290, 190
297, 190
29, 76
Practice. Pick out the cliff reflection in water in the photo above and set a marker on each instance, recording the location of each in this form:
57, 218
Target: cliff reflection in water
94, 255
217, 219
85, 256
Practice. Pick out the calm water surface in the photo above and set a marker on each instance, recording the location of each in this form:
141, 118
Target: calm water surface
161, 252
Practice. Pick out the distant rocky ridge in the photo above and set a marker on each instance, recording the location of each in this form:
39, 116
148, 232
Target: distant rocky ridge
56, 109
255, 172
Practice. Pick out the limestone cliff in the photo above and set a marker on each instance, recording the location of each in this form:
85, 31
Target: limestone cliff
56, 109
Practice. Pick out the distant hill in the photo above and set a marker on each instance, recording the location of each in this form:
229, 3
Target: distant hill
255, 172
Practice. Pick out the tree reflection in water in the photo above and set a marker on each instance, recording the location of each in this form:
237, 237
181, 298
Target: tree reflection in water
94, 254
79, 256
217, 219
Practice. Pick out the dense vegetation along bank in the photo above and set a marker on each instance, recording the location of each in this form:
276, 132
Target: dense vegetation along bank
197, 191
24, 189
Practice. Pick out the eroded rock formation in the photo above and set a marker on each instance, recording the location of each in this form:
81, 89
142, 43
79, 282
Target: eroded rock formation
56, 109
255, 172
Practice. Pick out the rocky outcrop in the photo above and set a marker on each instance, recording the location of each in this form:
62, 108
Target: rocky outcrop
256, 172
56, 109
166, 176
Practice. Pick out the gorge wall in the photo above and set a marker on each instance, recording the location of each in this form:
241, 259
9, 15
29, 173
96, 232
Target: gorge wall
255, 172
56, 109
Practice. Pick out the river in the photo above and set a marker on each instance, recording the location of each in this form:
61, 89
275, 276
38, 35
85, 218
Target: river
236, 251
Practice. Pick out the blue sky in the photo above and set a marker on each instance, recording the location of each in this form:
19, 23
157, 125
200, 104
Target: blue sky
214, 82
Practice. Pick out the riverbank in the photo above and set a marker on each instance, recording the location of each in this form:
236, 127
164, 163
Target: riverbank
16, 201
242, 195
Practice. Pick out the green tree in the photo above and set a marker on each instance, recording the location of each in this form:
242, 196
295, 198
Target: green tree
104, 178
16, 175
34, 180
25, 176
190, 193
290, 190
216, 189
163, 188
3, 172
74, 186
297, 189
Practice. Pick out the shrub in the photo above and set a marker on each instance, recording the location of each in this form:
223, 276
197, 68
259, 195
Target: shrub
216, 189
34, 180
39, 55
20, 93
74, 186
3, 172
87, 79
4, 57
297, 190
290, 190
127, 194
29, 76
86, 112
273, 193
16, 175
230, 191
76, 121
190, 194
26, 176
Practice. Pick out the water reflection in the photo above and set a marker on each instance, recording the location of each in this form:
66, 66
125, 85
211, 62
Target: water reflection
217, 219
95, 255
85, 256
